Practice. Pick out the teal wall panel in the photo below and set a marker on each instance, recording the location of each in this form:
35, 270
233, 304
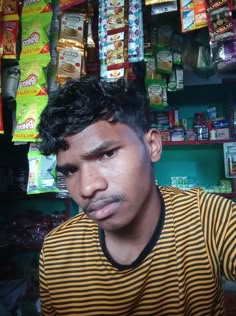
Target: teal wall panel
204, 162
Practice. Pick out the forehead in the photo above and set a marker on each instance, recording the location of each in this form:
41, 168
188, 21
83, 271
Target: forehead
99, 132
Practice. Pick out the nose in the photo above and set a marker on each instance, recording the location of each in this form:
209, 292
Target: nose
91, 180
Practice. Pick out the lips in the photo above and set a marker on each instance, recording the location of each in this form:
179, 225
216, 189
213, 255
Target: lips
102, 209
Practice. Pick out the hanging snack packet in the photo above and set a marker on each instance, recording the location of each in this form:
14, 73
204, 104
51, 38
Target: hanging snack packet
66, 4
35, 36
220, 21
115, 18
112, 75
1, 117
72, 27
200, 14
31, 7
42, 174
215, 5
10, 33
28, 111
150, 63
135, 34
157, 93
10, 7
164, 61
69, 62
1, 35
115, 53
32, 78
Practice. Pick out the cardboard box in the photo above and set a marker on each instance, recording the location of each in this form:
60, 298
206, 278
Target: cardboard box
222, 133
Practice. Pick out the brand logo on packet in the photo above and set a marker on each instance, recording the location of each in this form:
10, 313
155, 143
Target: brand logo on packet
34, 38
29, 2
9, 24
30, 81
73, 18
28, 124
70, 54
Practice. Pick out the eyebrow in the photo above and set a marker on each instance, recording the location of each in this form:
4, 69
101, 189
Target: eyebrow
64, 168
89, 155
98, 150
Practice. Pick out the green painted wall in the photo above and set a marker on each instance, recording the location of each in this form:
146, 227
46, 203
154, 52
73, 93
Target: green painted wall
204, 162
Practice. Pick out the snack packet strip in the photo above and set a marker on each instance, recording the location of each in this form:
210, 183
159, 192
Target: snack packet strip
135, 37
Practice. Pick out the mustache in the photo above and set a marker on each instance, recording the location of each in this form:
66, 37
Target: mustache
116, 198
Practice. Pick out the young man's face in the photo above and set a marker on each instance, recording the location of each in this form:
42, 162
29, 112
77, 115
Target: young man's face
109, 172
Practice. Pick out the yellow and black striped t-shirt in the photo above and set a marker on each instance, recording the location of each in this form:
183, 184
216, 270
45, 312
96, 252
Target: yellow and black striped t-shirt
178, 272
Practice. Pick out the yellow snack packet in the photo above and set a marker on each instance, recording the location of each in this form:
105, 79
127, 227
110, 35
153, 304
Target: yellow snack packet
35, 39
28, 111
32, 79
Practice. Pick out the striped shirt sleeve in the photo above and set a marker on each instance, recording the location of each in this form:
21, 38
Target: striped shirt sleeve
219, 224
46, 308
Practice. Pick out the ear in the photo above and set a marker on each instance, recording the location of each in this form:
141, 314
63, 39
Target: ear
154, 144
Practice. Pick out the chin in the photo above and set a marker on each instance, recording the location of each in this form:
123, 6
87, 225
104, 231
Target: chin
114, 226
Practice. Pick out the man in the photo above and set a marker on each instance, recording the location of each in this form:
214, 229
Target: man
136, 249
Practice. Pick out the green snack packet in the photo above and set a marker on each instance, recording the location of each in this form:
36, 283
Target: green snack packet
164, 60
42, 173
35, 36
157, 93
28, 111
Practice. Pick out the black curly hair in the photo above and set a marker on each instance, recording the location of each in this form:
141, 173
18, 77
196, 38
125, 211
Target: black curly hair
80, 103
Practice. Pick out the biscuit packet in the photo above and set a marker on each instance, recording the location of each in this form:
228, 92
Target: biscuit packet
42, 172
70, 61
10, 28
72, 27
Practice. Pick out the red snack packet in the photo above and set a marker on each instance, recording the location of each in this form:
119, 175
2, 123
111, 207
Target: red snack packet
10, 33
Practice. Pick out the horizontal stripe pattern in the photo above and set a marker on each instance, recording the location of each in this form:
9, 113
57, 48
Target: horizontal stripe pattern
180, 276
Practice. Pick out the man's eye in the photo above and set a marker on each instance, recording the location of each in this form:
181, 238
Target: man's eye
108, 154
70, 172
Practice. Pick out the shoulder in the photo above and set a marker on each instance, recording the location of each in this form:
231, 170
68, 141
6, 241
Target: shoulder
208, 204
176, 194
77, 225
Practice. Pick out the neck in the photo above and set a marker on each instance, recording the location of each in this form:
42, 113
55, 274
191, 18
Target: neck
126, 244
